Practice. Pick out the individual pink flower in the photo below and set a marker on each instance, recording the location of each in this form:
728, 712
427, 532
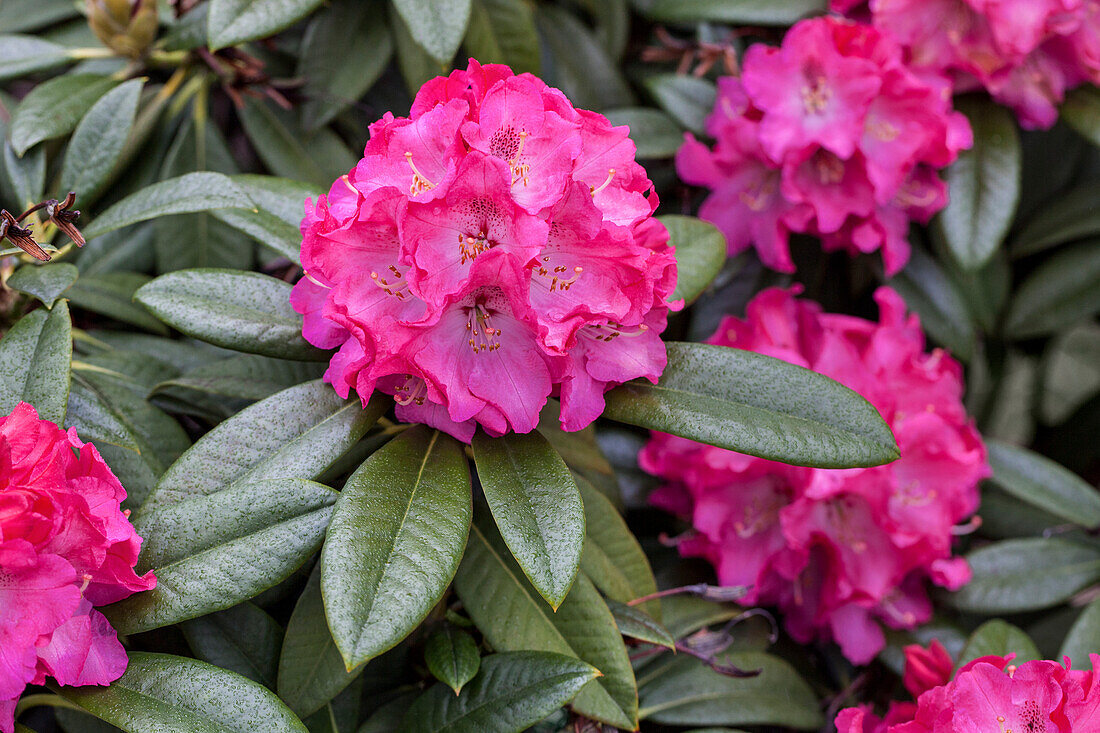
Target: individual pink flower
839, 551
993, 694
1025, 54
65, 546
831, 134
493, 250
926, 668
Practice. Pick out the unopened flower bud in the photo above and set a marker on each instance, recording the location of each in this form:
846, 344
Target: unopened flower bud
124, 26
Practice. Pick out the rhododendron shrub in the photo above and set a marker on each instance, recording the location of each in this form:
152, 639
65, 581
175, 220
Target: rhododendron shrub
991, 693
838, 551
1025, 54
65, 547
491, 249
830, 134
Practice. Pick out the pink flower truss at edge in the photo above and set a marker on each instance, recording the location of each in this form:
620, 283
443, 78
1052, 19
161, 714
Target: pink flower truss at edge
838, 551
831, 135
1026, 53
990, 694
65, 546
495, 248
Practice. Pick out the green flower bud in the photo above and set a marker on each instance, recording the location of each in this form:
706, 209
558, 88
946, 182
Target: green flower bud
125, 26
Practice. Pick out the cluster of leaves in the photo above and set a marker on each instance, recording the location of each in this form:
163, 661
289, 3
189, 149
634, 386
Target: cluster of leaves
323, 568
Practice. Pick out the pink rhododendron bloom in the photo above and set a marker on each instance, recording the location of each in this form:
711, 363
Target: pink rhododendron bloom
494, 249
65, 546
838, 551
993, 694
1025, 53
830, 134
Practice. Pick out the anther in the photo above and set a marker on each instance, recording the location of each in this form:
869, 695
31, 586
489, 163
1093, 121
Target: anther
420, 182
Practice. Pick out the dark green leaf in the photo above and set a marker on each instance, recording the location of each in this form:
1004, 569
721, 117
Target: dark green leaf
700, 254
34, 363
683, 615
737, 12
1026, 575
577, 63
1082, 111
937, 300
231, 22
286, 149
512, 616
754, 404
998, 638
1043, 483
111, 294
396, 539
203, 191
503, 32
1083, 638
637, 624
452, 656
27, 174
688, 99
1063, 290
161, 693
23, 55
1071, 372
53, 108
97, 143
685, 692
18, 16
416, 65
1069, 217
296, 433
655, 133
212, 552
242, 639
243, 311
513, 691
311, 670
537, 507
280, 203
45, 282
246, 377
984, 184
436, 25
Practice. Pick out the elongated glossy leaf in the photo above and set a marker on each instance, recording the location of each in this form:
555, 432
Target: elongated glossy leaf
436, 25
1026, 575
213, 552
503, 32
754, 404
22, 55
53, 108
612, 558
582, 66
45, 282
279, 205
700, 254
687, 99
1082, 111
1071, 372
1061, 291
189, 193
243, 311
928, 290
686, 692
243, 639
984, 184
247, 377
161, 693
231, 22
739, 12
1043, 483
999, 638
34, 363
1069, 217
296, 433
512, 616
537, 507
1083, 638
112, 294
27, 175
395, 542
637, 624
513, 691
452, 656
311, 670
288, 151
98, 141
654, 133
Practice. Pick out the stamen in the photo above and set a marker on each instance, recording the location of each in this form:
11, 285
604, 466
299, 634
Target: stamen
471, 247
87, 580
315, 281
610, 331
420, 182
347, 182
409, 392
520, 171
605, 184
483, 335
396, 287
815, 98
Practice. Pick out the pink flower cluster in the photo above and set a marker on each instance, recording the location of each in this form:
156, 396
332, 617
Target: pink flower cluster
1026, 54
830, 135
836, 550
492, 249
991, 694
65, 546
